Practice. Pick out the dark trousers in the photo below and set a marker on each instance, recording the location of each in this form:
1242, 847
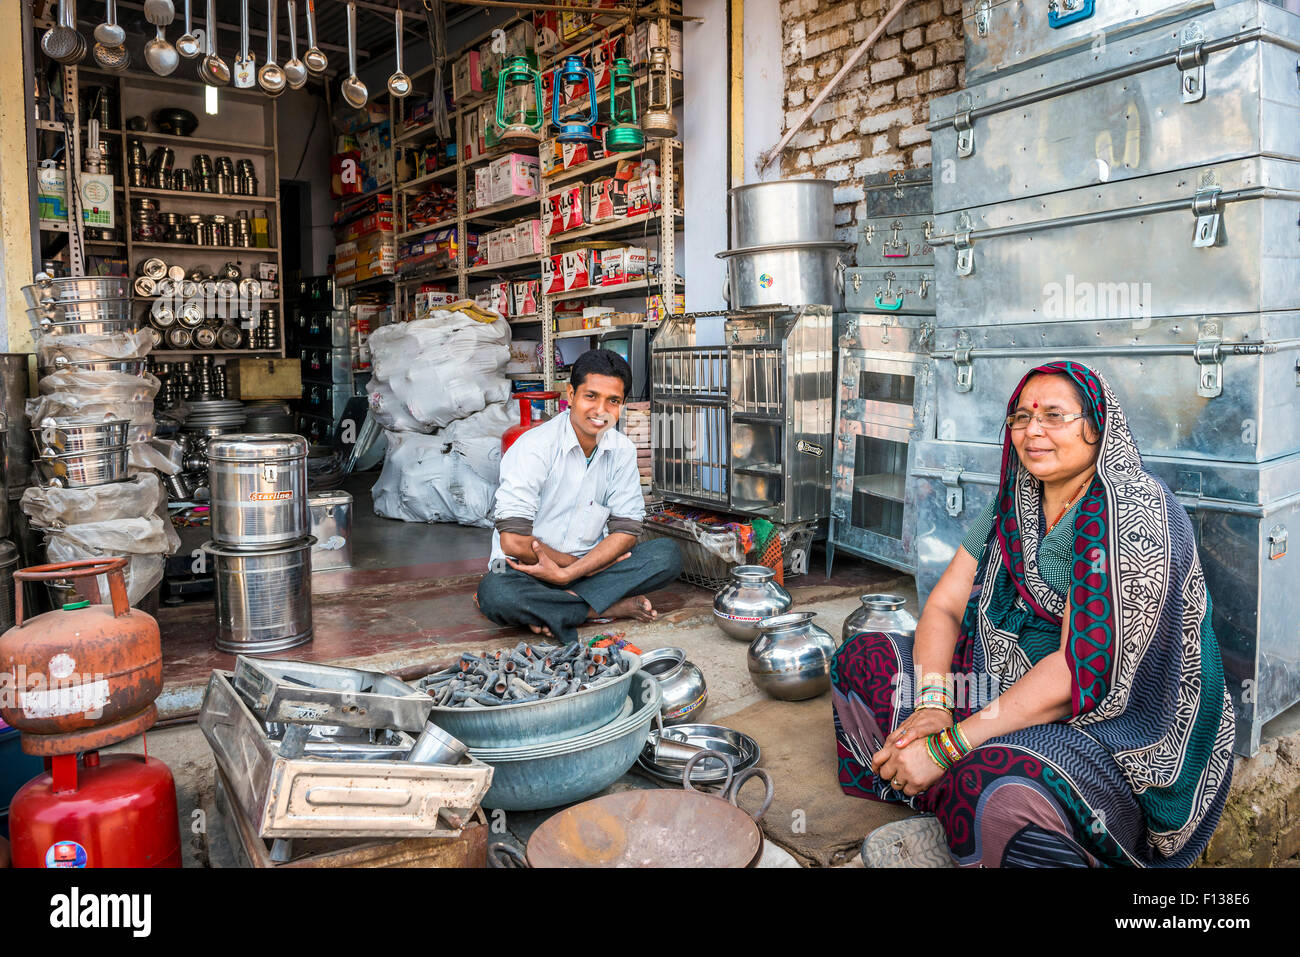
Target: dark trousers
511, 597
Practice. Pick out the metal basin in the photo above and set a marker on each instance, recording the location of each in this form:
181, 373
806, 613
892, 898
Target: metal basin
83, 470
76, 436
793, 274
741, 748
82, 310
125, 366
783, 211
70, 288
550, 776
531, 723
90, 327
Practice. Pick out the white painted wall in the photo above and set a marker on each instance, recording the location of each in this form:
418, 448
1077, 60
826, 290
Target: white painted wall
704, 140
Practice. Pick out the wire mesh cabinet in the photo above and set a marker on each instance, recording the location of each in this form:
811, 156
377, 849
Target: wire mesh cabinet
882, 392
688, 415
782, 371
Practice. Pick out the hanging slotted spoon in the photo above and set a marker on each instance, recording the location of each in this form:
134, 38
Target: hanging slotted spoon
213, 70
60, 41
187, 44
354, 91
245, 63
271, 78
399, 84
314, 59
295, 71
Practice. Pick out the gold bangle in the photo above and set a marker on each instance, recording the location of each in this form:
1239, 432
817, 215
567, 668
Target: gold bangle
962, 741
931, 706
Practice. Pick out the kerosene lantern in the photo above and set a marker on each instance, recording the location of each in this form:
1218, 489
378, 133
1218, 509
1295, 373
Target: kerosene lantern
624, 134
657, 120
574, 129
520, 86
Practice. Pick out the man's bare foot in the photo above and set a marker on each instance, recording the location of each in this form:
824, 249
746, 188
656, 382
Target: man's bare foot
540, 630
637, 606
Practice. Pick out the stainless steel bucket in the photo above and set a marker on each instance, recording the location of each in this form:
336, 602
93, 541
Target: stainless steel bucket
263, 599
259, 490
8, 565
70, 436
91, 327
783, 211
794, 274
125, 366
84, 469
81, 310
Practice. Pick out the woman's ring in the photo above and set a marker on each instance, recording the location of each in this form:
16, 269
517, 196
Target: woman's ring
896, 784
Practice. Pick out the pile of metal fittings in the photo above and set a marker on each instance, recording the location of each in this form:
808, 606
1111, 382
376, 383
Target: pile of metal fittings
525, 673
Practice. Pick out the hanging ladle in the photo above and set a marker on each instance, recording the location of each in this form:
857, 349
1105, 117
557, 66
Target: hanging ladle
314, 59
110, 53
399, 84
295, 71
354, 91
245, 63
109, 33
213, 70
187, 44
271, 78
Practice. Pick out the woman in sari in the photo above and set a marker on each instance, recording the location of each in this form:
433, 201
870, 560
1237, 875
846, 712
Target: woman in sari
1071, 707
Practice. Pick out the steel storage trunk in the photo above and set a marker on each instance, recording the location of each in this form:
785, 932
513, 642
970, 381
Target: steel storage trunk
331, 526
1213, 387
1202, 241
897, 219
1241, 516
1003, 36
882, 404
1122, 111
263, 598
259, 490
907, 290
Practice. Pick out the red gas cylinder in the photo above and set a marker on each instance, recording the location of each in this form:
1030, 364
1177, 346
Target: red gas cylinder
114, 810
525, 400
82, 678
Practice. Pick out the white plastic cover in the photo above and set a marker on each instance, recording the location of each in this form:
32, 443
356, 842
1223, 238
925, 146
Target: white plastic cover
143, 541
478, 438
425, 479
430, 372
138, 497
118, 345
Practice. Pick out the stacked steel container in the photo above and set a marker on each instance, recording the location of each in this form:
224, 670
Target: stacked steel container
1126, 193
260, 543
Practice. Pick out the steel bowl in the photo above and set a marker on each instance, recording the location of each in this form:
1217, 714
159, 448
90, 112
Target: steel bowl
125, 366
68, 436
549, 776
741, 748
90, 327
81, 310
84, 470
175, 121
539, 722
46, 288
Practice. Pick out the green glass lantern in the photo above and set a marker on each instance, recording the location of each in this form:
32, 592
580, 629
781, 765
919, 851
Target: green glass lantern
520, 119
624, 134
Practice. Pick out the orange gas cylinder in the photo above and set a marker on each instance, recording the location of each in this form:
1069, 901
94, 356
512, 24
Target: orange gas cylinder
84, 676
525, 400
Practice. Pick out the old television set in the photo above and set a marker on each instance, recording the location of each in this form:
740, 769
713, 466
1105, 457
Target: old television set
632, 343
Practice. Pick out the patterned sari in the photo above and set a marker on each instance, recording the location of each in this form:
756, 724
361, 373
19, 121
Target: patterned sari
1139, 773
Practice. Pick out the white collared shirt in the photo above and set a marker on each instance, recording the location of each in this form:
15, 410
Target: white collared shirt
545, 479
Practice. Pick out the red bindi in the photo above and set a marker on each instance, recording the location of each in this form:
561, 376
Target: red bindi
1035, 405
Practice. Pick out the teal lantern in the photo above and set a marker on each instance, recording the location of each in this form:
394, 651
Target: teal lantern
519, 104
624, 134
574, 129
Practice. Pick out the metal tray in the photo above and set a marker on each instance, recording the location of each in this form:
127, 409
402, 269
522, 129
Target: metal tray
743, 750
313, 796
306, 693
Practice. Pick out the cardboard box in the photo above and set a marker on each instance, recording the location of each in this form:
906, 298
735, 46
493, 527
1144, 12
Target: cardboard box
643, 192
576, 269
546, 30
487, 123
489, 64
552, 274
524, 297
465, 76
499, 294
523, 355
263, 378
521, 40
528, 238
482, 187
607, 200
655, 310
569, 322
472, 141
646, 36
513, 175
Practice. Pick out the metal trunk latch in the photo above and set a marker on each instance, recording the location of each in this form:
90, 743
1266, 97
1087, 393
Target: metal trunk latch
955, 499
1205, 206
1209, 356
983, 14
1061, 13
1276, 542
896, 248
965, 371
1191, 61
868, 231
857, 281
961, 243
962, 123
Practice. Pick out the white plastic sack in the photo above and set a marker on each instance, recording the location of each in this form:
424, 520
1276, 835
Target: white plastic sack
139, 497
428, 373
97, 395
143, 541
118, 345
425, 480
478, 438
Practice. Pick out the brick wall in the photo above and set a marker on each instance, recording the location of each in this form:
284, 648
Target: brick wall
875, 120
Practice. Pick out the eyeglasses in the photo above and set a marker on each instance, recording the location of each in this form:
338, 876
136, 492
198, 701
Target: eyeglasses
1019, 421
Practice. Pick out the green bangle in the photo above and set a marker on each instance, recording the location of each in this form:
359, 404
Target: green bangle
935, 755
961, 740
